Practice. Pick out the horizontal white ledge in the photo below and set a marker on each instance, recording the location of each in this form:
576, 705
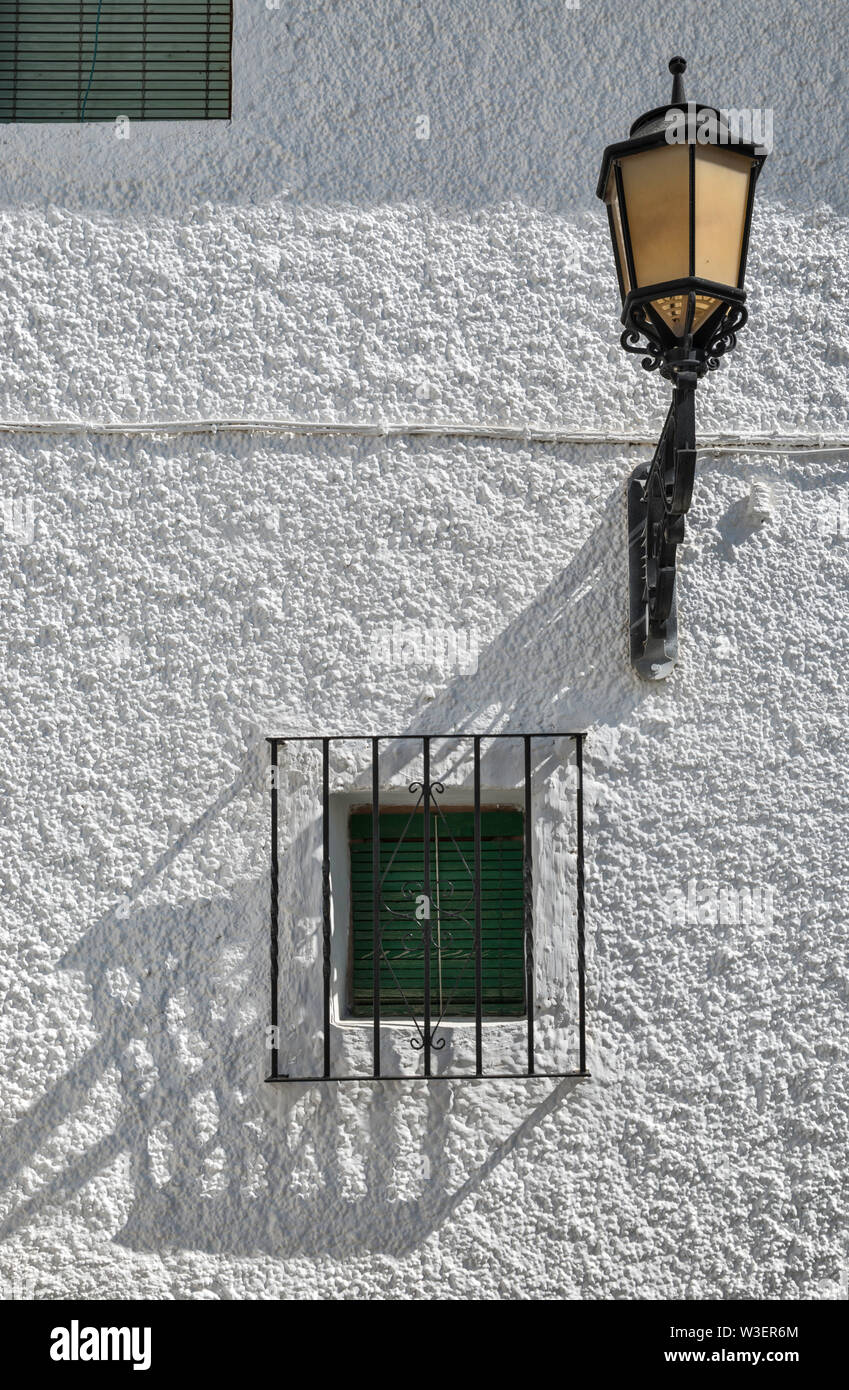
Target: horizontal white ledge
712, 444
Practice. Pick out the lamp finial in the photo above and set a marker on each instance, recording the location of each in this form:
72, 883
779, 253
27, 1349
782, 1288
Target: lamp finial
677, 66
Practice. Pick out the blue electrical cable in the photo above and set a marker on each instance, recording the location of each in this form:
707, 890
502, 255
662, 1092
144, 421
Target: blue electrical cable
93, 59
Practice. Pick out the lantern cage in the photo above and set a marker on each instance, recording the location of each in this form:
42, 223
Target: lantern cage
679, 195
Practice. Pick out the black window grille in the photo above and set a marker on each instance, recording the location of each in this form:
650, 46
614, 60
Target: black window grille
397, 940
96, 60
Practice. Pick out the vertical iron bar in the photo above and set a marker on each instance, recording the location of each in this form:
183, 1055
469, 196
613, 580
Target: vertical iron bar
80, 37
375, 898
426, 891
230, 67
528, 887
275, 881
15, 60
325, 891
478, 927
208, 42
144, 63
582, 1020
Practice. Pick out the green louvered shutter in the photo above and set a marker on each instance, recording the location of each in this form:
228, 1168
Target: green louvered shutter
155, 60
453, 913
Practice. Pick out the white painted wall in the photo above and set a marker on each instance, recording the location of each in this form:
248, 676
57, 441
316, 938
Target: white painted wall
170, 600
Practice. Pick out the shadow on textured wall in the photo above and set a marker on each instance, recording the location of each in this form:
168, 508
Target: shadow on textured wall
563, 662
211, 1161
206, 1165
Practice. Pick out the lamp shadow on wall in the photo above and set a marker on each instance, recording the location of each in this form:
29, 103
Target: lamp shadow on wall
563, 662
217, 1163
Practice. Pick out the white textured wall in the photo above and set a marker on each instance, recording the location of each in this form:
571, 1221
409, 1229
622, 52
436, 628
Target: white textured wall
181, 597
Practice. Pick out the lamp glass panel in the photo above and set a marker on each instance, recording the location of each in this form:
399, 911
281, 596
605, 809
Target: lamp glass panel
722, 192
611, 197
656, 185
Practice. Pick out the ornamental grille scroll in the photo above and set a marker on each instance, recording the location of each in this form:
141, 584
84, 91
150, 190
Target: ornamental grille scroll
417, 943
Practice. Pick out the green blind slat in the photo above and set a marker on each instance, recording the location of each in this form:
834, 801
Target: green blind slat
155, 60
502, 918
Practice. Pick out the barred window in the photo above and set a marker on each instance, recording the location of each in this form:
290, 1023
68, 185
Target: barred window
97, 60
436, 929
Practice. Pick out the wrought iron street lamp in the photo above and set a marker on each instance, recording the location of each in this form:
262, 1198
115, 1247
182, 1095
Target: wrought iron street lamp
679, 196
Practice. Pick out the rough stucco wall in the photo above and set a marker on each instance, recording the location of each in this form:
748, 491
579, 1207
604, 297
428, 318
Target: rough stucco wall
180, 598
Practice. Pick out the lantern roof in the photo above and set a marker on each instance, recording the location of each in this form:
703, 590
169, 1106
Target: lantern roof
652, 127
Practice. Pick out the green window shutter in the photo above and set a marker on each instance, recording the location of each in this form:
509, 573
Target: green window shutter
452, 913
156, 60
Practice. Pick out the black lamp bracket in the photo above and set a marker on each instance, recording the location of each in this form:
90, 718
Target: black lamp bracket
659, 493
659, 496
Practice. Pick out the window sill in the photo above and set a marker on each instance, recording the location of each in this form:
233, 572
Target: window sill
441, 1076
